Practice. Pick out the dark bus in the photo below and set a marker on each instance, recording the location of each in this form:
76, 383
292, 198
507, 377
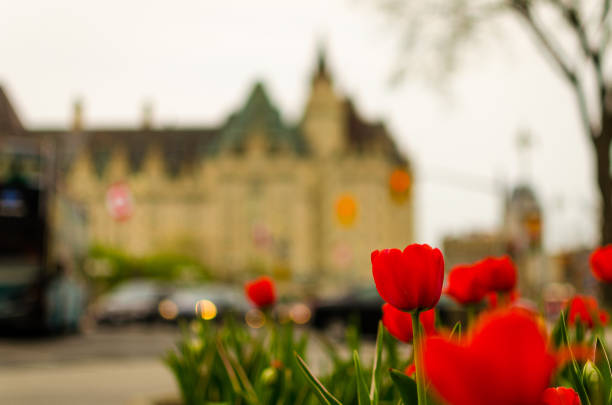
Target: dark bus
42, 241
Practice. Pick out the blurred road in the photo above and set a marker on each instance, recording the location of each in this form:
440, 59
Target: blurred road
104, 366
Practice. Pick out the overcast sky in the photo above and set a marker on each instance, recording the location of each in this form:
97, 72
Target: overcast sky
196, 60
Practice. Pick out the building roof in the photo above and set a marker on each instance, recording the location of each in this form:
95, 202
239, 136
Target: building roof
179, 147
185, 147
364, 136
258, 114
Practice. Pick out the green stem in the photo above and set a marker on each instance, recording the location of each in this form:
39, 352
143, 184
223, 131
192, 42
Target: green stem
416, 348
471, 311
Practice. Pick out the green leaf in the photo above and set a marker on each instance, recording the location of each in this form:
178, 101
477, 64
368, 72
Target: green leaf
353, 338
251, 396
603, 364
406, 387
237, 375
376, 369
392, 352
456, 330
323, 394
331, 350
574, 371
228, 367
557, 333
302, 343
362, 389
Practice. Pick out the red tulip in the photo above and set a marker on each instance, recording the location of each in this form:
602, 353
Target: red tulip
601, 263
399, 323
409, 280
261, 292
560, 396
586, 310
498, 273
466, 284
505, 362
492, 300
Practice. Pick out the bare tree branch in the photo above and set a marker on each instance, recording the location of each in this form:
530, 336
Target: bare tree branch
523, 8
551, 48
573, 19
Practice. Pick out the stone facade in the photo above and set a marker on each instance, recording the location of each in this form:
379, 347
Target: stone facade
255, 195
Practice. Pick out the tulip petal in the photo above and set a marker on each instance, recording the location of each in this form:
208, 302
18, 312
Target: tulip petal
506, 362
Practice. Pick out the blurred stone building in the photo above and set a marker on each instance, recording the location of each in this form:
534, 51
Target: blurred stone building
519, 236
469, 248
256, 194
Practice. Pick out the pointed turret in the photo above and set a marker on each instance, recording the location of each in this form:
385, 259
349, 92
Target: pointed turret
77, 115
321, 72
324, 119
9, 121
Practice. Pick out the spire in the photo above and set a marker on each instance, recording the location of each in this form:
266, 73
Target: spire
321, 71
147, 116
9, 121
77, 115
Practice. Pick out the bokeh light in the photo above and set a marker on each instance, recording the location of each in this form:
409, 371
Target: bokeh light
206, 309
255, 318
168, 309
283, 313
300, 313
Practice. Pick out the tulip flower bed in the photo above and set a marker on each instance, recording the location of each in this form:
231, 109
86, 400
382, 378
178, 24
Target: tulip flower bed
502, 355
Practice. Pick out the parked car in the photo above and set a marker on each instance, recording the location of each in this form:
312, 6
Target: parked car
132, 301
363, 306
206, 301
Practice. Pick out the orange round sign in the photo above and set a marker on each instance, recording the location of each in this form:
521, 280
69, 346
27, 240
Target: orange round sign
399, 185
346, 210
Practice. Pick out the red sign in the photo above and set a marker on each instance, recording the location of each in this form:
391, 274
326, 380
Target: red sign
119, 202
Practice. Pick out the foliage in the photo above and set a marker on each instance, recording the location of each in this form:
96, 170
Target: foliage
119, 266
230, 363
503, 356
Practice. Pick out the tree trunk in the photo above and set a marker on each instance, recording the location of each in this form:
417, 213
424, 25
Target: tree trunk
602, 146
604, 181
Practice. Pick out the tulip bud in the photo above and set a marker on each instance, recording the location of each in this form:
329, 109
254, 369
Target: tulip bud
410, 279
593, 382
269, 376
